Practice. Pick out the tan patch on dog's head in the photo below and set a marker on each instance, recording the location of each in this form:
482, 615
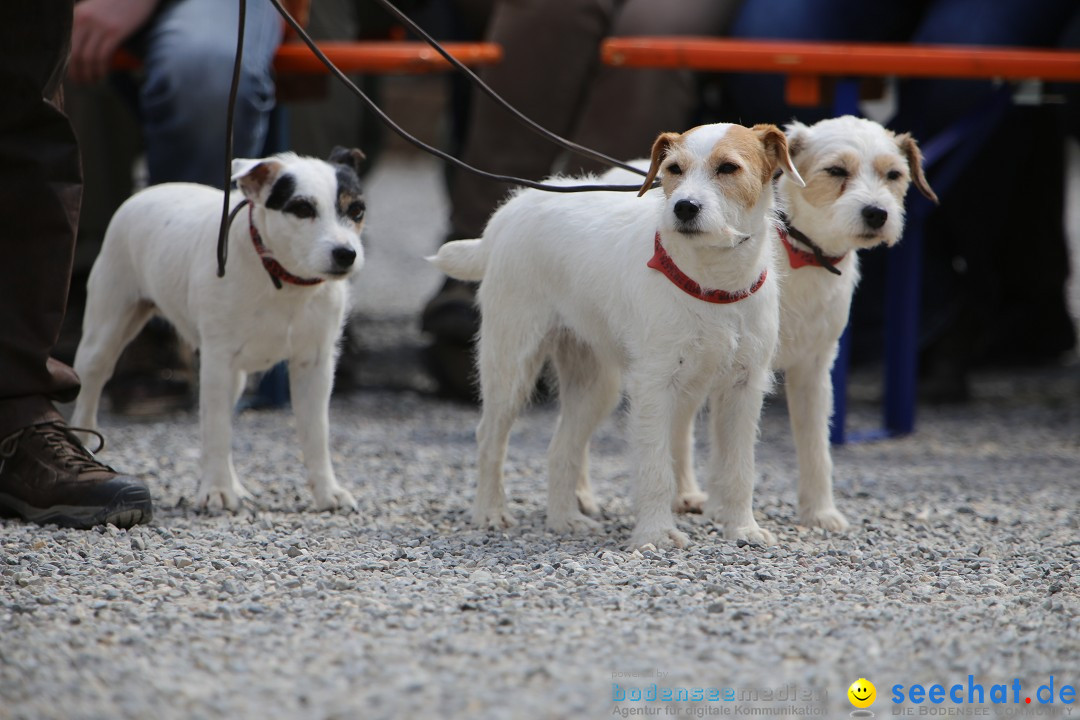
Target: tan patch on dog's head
827, 177
742, 161
741, 164
893, 171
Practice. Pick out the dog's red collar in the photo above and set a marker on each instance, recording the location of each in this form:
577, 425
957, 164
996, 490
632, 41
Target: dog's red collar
277, 272
804, 258
662, 261
797, 257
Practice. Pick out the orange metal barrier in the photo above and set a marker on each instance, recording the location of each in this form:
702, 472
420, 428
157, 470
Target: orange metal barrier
375, 57
806, 62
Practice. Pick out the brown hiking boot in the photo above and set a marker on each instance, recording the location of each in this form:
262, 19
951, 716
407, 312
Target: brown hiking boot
47, 476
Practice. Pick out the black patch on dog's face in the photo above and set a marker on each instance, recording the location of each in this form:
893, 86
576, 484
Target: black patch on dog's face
350, 196
283, 189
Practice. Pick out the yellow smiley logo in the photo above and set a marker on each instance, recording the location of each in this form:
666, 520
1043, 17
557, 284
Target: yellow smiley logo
862, 693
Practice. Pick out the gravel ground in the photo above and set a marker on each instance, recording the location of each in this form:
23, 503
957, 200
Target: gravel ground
963, 559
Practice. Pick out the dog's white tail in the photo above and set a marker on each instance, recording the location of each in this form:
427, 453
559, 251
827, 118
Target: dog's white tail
461, 259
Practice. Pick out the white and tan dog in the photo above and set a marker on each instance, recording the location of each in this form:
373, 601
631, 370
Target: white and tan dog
857, 174
283, 297
675, 289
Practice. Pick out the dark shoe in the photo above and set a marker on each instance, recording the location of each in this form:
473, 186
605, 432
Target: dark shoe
451, 315
150, 395
153, 376
47, 476
452, 318
453, 369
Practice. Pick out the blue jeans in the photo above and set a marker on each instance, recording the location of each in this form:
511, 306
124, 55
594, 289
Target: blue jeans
926, 105
188, 50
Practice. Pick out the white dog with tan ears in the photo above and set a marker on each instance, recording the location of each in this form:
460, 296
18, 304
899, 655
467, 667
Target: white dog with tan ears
283, 297
856, 176
675, 289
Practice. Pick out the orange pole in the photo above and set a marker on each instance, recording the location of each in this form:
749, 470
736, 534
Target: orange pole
377, 57
854, 59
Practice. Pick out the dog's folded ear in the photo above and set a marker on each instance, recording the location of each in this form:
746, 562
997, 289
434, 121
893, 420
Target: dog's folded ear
911, 151
350, 157
796, 137
659, 149
253, 175
776, 150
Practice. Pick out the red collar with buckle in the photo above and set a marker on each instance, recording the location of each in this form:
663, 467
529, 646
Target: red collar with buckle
662, 261
277, 271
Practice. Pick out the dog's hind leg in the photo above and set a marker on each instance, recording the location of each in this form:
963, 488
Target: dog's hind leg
218, 385
588, 391
734, 416
689, 498
809, 397
511, 353
310, 382
110, 322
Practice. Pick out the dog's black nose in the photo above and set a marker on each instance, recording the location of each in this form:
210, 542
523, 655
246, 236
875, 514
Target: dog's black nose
874, 216
686, 210
344, 256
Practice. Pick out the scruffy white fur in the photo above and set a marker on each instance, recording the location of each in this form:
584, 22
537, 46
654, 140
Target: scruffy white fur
878, 167
159, 256
565, 276
854, 168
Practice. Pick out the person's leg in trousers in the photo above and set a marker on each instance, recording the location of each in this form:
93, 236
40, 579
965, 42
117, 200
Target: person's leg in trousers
550, 54
188, 49
626, 108
45, 474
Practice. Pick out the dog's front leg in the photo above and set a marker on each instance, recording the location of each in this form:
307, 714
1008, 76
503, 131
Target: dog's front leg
734, 415
652, 416
218, 388
809, 397
310, 382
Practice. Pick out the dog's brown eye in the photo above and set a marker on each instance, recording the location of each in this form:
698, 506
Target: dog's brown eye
301, 209
837, 171
727, 168
356, 211
894, 175
674, 169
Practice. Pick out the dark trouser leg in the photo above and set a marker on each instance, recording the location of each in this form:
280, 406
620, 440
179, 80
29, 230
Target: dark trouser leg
40, 194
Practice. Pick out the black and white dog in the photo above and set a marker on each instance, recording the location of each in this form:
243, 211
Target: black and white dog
283, 298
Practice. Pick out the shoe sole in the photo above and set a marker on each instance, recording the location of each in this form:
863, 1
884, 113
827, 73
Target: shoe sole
130, 506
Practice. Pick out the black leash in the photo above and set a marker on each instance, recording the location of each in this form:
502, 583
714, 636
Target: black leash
222, 250
487, 90
226, 218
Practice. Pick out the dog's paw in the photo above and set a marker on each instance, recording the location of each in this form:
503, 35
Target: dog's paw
497, 518
691, 502
334, 498
664, 538
215, 496
828, 518
571, 523
586, 502
753, 534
